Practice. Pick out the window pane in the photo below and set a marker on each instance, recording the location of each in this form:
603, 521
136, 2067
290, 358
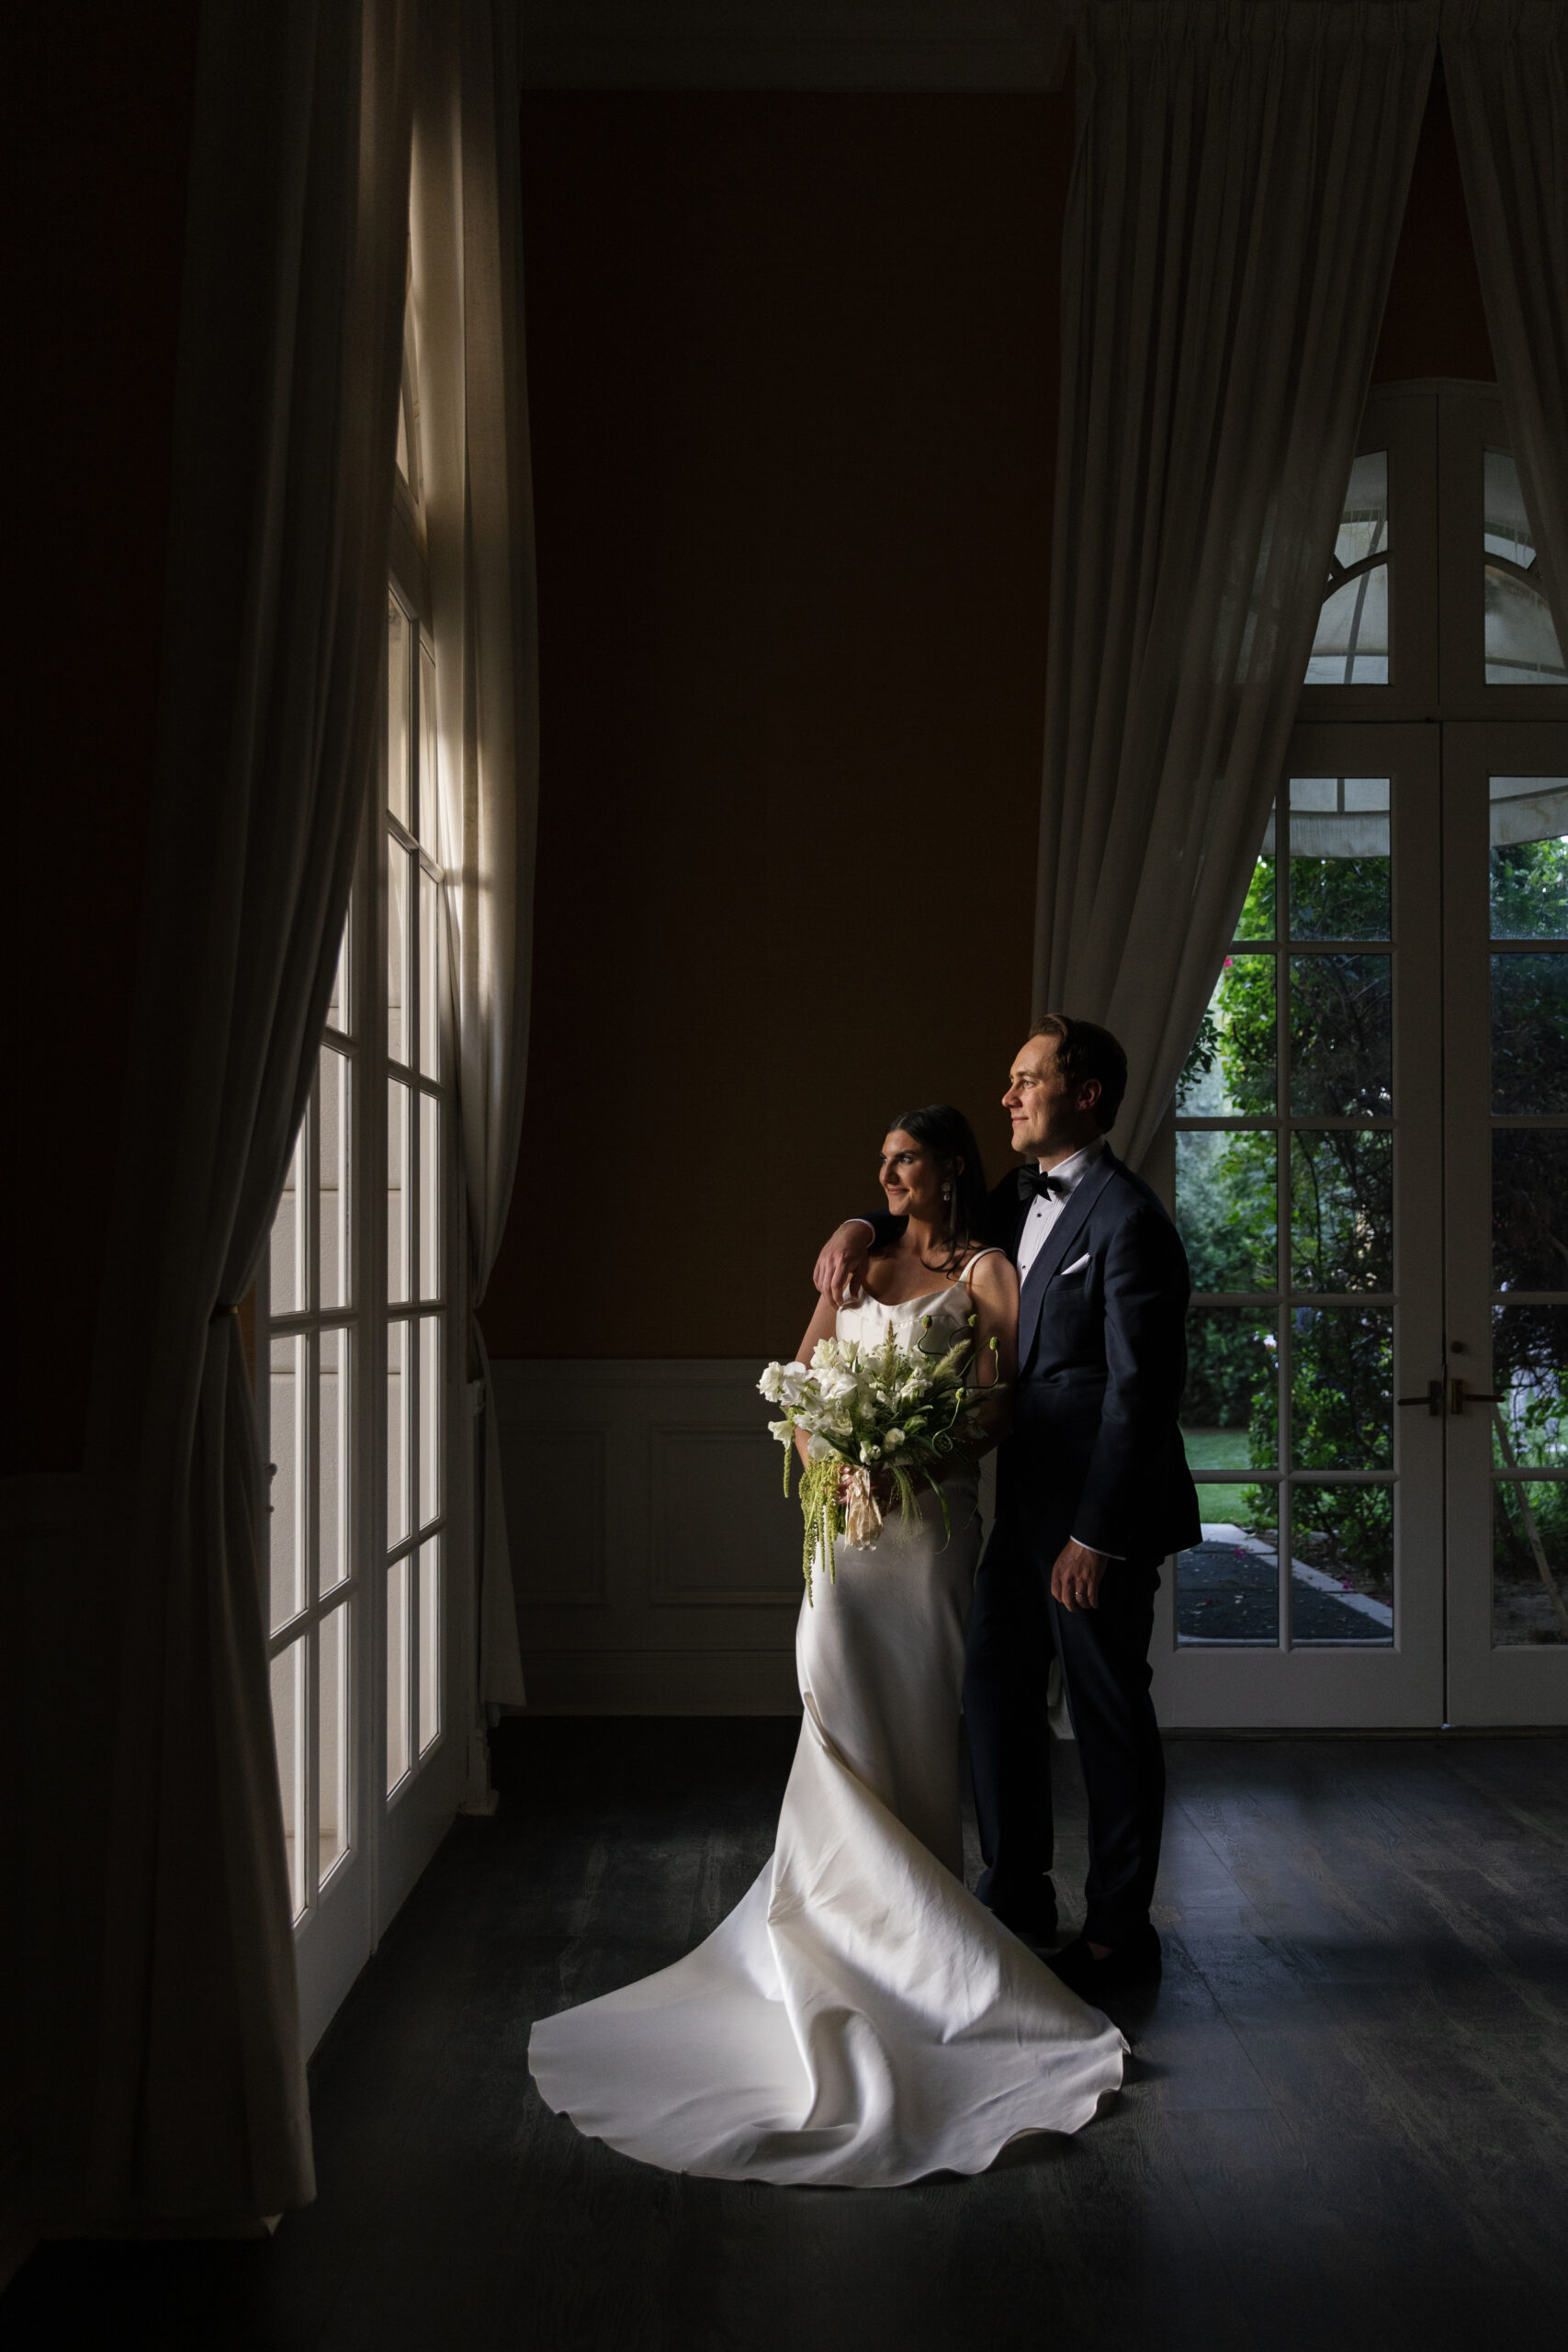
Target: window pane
397, 1671
1341, 1037
1363, 523
429, 1418
1342, 1566
1341, 1210
1529, 1208
287, 1254
1226, 1208
1521, 640
399, 683
331, 1194
1228, 1587
339, 1010
1339, 857
1530, 1562
331, 1742
1530, 857
429, 1641
1230, 1408
429, 975
287, 1547
399, 1044
397, 1189
1341, 1387
332, 1460
1529, 1373
1505, 526
429, 775
1257, 917
1230, 1071
397, 1425
1530, 1033
1351, 647
287, 1732
429, 1197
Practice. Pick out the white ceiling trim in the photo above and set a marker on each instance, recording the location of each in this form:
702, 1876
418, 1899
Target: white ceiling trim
795, 44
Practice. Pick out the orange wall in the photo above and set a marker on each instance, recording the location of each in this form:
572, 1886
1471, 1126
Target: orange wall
792, 368
793, 381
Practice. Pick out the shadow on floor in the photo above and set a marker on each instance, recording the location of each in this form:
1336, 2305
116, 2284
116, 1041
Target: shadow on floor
1346, 2122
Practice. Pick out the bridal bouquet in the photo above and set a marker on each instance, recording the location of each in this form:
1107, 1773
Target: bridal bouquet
902, 1411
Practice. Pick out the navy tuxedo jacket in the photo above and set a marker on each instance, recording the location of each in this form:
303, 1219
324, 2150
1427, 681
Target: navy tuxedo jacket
1095, 1450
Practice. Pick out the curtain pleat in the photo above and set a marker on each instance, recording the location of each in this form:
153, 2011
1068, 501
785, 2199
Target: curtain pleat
1507, 67
467, 295
276, 595
1236, 198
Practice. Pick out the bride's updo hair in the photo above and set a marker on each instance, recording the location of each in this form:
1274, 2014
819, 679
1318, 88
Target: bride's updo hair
948, 1137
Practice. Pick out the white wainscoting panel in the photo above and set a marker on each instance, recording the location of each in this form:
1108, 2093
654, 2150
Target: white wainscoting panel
657, 1563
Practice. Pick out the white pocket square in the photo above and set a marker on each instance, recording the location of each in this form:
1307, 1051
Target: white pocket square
1077, 1265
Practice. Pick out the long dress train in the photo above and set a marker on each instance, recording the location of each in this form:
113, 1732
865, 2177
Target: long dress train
858, 2019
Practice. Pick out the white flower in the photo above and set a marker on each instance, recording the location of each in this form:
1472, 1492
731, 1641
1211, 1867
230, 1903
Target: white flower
894, 1439
871, 1454
832, 1382
771, 1385
819, 1449
782, 1430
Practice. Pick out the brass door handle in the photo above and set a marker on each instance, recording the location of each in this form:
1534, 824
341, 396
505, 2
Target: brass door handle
1432, 1398
1460, 1396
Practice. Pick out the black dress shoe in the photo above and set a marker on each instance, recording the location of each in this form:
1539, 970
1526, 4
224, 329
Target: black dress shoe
1034, 1927
1137, 1961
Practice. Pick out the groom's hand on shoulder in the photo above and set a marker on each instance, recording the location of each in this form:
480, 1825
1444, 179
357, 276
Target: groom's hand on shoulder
842, 1261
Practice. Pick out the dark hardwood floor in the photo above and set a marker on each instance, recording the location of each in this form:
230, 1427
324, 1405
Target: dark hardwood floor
1344, 2125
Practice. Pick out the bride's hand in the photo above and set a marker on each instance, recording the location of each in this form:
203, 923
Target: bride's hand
842, 1261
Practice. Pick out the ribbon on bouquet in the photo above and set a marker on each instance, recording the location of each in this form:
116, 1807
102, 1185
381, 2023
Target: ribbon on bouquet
863, 1512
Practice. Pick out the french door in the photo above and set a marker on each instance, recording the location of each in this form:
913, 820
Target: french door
1371, 1148
1310, 1124
1506, 1260
369, 1615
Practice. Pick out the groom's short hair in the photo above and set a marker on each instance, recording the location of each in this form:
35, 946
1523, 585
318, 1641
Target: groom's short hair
1084, 1050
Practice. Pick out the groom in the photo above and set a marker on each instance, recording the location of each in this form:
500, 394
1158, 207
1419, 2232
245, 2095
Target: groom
1092, 1493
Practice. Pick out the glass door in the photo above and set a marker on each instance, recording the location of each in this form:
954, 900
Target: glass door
1308, 1123
1505, 1014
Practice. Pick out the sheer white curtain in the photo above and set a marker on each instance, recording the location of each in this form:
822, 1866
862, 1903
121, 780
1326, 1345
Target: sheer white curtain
1507, 66
285, 420
1237, 196
467, 297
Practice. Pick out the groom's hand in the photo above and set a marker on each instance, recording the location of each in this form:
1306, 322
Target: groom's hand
1074, 1579
840, 1267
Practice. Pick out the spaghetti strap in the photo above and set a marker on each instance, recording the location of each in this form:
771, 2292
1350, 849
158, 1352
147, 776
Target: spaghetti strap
992, 1251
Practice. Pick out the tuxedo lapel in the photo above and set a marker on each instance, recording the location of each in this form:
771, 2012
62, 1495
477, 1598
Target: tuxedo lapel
1054, 1256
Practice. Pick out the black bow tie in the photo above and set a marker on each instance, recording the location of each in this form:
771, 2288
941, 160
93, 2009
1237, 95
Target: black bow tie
1034, 1184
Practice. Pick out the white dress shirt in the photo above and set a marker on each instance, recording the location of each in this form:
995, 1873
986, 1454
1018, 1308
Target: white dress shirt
1045, 1208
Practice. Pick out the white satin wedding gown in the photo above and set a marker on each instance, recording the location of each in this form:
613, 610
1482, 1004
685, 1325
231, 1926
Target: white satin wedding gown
858, 2019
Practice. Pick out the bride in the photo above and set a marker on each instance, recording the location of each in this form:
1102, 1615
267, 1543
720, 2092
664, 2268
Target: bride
859, 2019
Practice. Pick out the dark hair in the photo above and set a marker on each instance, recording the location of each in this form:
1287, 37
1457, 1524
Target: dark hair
948, 1136
1085, 1051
